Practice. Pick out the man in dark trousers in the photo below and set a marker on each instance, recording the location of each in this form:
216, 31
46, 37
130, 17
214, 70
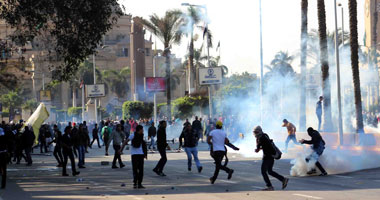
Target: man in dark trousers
197, 128
264, 143
58, 146
4, 156
217, 139
152, 131
318, 145
161, 146
95, 136
117, 136
318, 111
28, 138
67, 147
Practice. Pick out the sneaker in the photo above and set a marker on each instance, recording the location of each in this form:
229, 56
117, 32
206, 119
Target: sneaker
268, 189
162, 174
313, 171
189, 169
156, 171
230, 174
323, 174
140, 187
212, 180
285, 183
106, 154
114, 167
200, 169
122, 165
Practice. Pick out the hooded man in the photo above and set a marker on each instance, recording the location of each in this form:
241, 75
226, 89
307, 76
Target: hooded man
318, 145
264, 143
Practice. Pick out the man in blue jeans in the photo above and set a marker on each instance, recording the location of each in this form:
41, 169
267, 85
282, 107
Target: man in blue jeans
191, 140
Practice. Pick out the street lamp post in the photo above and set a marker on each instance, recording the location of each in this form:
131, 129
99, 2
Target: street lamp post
340, 124
261, 67
96, 103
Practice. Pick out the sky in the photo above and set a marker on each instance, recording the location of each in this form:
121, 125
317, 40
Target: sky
236, 25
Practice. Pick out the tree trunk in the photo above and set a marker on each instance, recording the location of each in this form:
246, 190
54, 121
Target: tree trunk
374, 52
352, 4
326, 90
304, 5
191, 61
168, 90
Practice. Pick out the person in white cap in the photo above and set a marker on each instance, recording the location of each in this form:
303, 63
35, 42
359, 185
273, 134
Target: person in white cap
264, 143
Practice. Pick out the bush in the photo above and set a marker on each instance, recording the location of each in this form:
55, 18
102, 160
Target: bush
74, 111
137, 109
185, 107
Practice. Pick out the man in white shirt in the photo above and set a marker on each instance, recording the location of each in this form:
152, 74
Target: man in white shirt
217, 139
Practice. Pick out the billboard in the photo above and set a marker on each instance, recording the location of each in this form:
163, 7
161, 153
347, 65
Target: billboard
210, 76
155, 84
45, 95
95, 91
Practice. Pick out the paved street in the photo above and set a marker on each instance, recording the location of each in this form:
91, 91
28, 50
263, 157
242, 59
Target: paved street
43, 181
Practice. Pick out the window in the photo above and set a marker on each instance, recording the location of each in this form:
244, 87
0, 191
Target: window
147, 52
125, 52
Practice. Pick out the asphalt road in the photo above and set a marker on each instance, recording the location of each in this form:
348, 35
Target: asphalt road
43, 181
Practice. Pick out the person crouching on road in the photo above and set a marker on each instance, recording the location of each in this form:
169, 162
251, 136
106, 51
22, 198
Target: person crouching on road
191, 139
318, 145
264, 143
117, 136
138, 153
217, 139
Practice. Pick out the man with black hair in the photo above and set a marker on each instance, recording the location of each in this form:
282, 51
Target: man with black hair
106, 131
197, 128
291, 133
95, 136
4, 155
161, 146
318, 146
152, 132
190, 144
217, 139
58, 146
28, 138
67, 149
117, 137
264, 143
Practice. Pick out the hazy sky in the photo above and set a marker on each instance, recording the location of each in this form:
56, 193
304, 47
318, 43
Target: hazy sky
236, 25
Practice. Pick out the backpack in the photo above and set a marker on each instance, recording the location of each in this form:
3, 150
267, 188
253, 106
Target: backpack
278, 153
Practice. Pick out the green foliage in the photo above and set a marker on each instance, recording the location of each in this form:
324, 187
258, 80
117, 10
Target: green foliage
11, 100
74, 111
103, 113
30, 105
75, 27
185, 107
137, 109
117, 81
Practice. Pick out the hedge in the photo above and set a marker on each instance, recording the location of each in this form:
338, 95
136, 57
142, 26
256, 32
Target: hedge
74, 111
137, 110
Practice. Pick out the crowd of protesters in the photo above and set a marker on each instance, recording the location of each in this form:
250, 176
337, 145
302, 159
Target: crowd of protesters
72, 140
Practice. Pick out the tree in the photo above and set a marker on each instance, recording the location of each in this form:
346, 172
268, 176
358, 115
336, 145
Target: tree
30, 105
326, 90
167, 29
137, 110
75, 26
117, 81
11, 100
352, 4
304, 5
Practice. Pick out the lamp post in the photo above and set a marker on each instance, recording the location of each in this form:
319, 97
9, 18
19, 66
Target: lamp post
94, 68
340, 124
261, 67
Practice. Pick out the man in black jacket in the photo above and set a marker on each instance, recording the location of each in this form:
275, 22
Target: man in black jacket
264, 143
161, 146
197, 128
28, 138
318, 145
151, 135
4, 156
58, 146
190, 144
67, 147
95, 136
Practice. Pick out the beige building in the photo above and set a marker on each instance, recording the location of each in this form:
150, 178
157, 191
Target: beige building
123, 46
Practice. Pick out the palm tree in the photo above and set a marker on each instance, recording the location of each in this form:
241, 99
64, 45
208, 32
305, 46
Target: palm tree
352, 4
304, 5
167, 29
30, 105
117, 81
326, 90
281, 57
